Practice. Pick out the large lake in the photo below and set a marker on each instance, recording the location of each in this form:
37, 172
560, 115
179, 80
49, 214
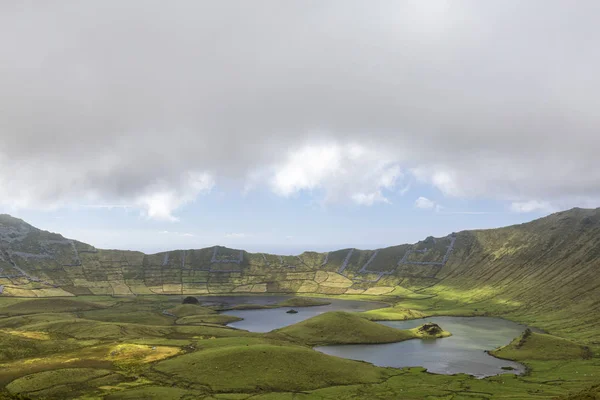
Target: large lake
463, 352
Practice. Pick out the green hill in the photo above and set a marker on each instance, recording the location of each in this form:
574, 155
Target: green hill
340, 327
257, 364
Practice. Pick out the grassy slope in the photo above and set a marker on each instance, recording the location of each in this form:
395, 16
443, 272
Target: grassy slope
37, 306
592, 393
543, 272
251, 365
342, 328
538, 346
303, 302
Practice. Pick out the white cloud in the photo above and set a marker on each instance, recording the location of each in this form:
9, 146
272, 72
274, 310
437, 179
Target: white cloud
343, 172
161, 200
531, 206
307, 168
424, 203
368, 199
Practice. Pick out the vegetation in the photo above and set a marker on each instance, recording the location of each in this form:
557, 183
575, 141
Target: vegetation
393, 314
303, 302
110, 330
538, 346
341, 328
256, 365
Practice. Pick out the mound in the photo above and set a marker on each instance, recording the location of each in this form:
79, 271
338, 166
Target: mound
341, 328
539, 346
48, 305
259, 365
430, 330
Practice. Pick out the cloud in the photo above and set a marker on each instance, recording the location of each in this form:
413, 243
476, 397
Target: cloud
531, 206
424, 203
160, 199
105, 104
351, 171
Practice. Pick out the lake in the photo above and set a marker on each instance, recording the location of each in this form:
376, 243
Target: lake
268, 319
463, 352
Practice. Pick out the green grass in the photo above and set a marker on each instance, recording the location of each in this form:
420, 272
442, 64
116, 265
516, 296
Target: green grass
66, 379
219, 319
393, 314
152, 392
186, 310
340, 327
538, 346
14, 346
303, 302
258, 365
591, 393
49, 305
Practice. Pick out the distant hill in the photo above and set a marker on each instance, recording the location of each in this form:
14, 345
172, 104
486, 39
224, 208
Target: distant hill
549, 266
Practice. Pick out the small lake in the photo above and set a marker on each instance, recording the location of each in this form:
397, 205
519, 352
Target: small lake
268, 319
463, 352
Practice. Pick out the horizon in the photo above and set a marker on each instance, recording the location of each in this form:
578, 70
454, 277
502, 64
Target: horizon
297, 250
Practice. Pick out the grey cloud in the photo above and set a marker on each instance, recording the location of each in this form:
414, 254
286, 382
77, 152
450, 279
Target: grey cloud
108, 99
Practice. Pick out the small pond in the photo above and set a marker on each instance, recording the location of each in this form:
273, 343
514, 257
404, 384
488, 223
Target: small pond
463, 352
266, 320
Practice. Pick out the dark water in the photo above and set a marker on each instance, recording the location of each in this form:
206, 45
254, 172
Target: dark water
269, 319
463, 352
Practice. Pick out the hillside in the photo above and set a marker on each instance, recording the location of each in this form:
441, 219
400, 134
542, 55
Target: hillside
544, 271
340, 327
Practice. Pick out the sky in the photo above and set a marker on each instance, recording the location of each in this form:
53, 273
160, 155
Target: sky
280, 126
